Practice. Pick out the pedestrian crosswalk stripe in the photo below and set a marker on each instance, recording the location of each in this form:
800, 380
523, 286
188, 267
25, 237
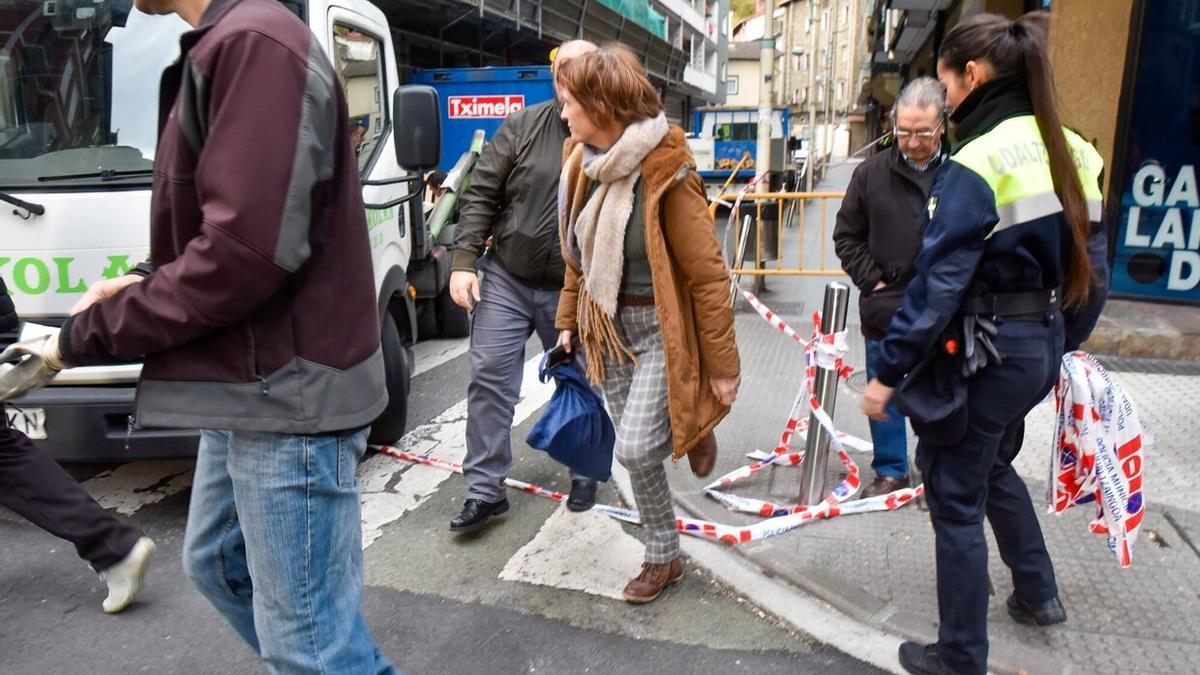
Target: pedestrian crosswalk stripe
129, 487
586, 551
430, 354
391, 488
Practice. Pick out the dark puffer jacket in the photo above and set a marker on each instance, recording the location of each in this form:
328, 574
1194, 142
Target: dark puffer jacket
513, 198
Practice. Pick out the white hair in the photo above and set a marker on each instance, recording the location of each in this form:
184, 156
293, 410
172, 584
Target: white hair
922, 93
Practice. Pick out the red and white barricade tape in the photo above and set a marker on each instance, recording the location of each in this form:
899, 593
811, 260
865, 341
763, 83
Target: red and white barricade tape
821, 351
616, 512
1099, 453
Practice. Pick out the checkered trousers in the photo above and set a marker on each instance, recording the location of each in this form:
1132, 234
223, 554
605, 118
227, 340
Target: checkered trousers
636, 396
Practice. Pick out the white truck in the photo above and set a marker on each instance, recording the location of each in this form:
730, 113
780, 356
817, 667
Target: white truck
79, 84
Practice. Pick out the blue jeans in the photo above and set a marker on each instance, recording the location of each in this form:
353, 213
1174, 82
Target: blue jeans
891, 437
274, 541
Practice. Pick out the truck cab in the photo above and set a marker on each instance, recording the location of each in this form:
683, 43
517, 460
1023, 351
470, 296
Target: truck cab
724, 134
79, 85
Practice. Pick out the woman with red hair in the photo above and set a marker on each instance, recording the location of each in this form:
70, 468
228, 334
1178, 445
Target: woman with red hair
646, 289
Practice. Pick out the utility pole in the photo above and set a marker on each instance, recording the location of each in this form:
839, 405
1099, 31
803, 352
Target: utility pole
855, 56
811, 61
830, 60
788, 58
766, 65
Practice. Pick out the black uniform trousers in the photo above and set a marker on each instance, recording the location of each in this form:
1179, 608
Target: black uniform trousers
35, 487
972, 478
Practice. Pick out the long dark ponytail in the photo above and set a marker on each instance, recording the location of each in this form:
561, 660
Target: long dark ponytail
1019, 48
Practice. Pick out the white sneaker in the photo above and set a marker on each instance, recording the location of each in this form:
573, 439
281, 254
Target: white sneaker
125, 578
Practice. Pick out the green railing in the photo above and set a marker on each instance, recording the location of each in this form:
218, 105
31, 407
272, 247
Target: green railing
641, 13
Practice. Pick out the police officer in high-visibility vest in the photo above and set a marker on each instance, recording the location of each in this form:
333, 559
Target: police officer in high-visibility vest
1012, 273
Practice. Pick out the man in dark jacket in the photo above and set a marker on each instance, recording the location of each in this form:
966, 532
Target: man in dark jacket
254, 256
36, 488
878, 237
513, 199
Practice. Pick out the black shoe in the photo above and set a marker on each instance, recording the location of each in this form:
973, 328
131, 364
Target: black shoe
923, 660
475, 513
583, 494
1046, 614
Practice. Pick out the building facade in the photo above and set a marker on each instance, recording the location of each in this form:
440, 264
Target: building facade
682, 42
743, 79
821, 62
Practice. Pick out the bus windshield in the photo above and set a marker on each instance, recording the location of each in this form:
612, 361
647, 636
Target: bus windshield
79, 91
737, 125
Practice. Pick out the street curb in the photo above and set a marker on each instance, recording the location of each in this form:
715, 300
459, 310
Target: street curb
807, 614
1139, 329
1005, 657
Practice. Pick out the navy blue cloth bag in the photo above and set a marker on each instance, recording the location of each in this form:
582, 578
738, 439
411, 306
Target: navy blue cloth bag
575, 429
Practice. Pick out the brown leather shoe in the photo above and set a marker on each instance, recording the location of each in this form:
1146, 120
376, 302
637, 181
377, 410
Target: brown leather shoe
655, 577
883, 485
703, 456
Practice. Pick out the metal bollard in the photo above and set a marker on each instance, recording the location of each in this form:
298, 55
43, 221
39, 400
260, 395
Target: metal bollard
816, 444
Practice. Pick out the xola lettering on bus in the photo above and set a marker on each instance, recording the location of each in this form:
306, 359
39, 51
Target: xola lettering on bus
61, 274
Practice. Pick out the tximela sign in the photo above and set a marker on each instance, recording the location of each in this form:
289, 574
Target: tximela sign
485, 107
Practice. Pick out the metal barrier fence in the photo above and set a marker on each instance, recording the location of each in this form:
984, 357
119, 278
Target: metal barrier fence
788, 207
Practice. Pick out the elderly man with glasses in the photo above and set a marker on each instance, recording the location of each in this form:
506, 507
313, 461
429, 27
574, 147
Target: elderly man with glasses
878, 237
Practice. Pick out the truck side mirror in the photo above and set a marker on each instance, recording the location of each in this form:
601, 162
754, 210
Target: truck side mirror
418, 127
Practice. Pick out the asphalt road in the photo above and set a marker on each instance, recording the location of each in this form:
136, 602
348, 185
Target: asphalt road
538, 591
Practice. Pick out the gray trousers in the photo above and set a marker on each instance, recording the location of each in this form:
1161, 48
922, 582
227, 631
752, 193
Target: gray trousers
636, 396
508, 312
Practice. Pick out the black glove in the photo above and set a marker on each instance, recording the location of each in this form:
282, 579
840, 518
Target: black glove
978, 348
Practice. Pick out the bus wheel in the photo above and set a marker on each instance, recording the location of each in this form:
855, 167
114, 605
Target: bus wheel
397, 365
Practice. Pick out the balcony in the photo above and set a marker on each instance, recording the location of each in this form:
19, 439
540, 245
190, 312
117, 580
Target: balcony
448, 33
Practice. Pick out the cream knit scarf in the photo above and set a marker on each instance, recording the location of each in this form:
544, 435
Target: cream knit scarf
599, 233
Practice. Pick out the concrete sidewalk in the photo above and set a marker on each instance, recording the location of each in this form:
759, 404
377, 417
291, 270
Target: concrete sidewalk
879, 568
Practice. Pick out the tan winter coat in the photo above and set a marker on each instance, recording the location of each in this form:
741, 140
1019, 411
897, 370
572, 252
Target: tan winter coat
691, 284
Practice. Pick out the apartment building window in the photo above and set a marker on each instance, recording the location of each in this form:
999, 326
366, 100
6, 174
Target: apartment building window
731, 85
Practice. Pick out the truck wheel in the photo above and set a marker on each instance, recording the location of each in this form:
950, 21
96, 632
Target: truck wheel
453, 321
397, 365
427, 323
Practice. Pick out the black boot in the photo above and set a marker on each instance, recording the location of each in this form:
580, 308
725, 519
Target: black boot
923, 660
475, 513
1045, 614
583, 494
